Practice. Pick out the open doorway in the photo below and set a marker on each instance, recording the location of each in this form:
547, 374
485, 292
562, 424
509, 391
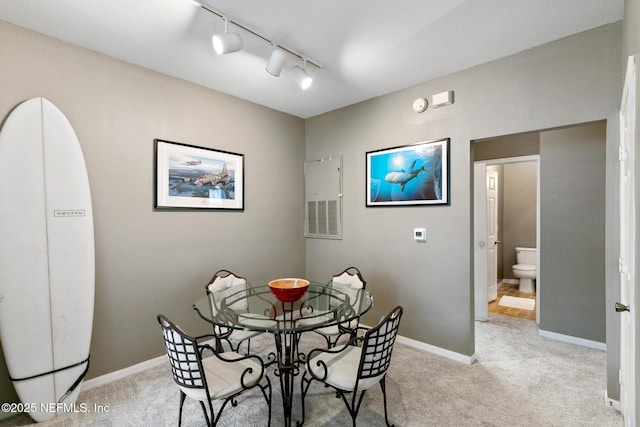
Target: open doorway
570, 237
508, 205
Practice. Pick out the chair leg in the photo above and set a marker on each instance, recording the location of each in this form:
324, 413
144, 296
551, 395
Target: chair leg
182, 396
267, 397
304, 391
334, 343
328, 340
384, 398
354, 407
204, 411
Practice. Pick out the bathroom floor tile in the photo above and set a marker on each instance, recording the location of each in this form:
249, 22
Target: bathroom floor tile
510, 289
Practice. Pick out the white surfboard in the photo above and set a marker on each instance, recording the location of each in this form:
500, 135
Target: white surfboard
47, 262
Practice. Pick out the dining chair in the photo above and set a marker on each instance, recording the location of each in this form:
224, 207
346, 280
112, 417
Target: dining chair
221, 376
222, 284
349, 281
355, 368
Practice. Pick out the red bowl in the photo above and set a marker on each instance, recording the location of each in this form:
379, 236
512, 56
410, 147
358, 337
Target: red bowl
288, 290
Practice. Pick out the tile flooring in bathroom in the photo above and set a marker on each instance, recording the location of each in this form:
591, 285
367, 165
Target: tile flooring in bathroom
512, 290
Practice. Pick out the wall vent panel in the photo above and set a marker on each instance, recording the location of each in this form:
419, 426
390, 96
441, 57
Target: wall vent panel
323, 198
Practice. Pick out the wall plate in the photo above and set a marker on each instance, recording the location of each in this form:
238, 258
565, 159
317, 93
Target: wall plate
441, 99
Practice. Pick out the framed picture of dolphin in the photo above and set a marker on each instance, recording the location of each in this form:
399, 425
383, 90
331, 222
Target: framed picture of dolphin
408, 175
190, 177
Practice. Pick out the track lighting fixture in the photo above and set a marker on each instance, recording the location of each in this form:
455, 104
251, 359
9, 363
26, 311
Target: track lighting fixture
276, 61
232, 42
227, 42
300, 76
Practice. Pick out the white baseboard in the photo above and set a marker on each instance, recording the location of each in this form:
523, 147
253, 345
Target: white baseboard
123, 373
573, 340
437, 350
110, 377
511, 281
433, 349
610, 403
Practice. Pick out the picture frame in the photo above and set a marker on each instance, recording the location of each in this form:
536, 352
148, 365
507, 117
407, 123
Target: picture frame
408, 175
191, 177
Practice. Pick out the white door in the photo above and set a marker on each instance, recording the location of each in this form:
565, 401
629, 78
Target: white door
492, 235
627, 247
480, 259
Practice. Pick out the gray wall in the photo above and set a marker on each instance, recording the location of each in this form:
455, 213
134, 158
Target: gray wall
570, 81
158, 262
572, 235
519, 200
504, 147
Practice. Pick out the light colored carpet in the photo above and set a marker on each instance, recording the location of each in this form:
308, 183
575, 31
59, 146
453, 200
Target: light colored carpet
517, 302
520, 379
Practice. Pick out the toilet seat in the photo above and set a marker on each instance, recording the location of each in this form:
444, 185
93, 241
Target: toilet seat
524, 267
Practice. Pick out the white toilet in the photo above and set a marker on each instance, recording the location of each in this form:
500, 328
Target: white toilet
525, 269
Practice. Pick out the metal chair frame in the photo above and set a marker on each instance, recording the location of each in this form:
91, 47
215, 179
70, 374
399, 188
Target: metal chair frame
185, 357
344, 328
221, 333
377, 346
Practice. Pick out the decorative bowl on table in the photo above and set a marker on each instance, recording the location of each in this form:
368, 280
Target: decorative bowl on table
288, 290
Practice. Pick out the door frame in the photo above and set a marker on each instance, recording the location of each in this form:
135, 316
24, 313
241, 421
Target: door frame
480, 258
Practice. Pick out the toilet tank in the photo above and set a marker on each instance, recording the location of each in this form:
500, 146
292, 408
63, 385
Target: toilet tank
526, 256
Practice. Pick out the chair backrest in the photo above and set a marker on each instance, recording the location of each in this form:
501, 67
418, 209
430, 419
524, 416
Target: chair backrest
224, 283
184, 357
350, 276
350, 282
377, 345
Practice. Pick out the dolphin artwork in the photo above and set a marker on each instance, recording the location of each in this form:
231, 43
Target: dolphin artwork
402, 177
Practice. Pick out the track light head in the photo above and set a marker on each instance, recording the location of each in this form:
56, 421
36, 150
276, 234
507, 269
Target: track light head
301, 77
226, 42
276, 62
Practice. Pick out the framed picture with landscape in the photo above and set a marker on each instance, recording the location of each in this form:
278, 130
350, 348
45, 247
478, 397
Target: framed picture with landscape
190, 177
416, 174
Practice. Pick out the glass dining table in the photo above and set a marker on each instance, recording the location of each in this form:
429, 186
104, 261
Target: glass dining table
253, 307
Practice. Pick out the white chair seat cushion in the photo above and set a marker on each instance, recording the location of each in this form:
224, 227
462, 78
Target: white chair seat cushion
342, 369
317, 318
335, 330
329, 330
225, 379
259, 321
249, 319
255, 321
242, 335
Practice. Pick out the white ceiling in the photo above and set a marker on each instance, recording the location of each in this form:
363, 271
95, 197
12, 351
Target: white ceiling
366, 48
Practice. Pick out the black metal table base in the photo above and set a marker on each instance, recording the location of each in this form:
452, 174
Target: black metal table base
288, 359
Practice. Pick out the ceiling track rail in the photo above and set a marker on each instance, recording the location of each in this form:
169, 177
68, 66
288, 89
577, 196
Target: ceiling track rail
221, 15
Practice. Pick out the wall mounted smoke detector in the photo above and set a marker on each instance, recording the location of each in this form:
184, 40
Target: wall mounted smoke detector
420, 105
